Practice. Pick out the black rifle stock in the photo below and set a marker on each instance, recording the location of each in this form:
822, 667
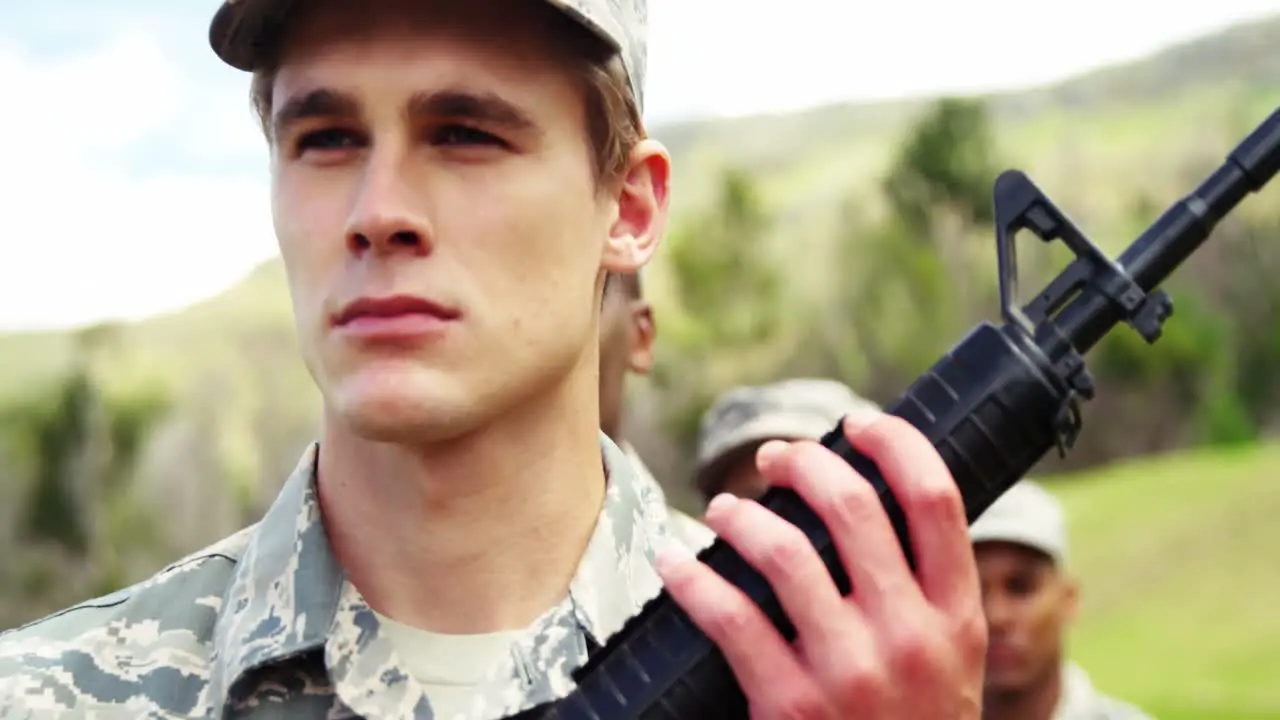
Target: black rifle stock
992, 406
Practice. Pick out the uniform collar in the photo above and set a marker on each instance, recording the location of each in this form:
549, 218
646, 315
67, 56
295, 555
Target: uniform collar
644, 475
283, 594
288, 596
1077, 695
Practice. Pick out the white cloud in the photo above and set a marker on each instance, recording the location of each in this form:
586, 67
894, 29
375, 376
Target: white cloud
87, 235
734, 57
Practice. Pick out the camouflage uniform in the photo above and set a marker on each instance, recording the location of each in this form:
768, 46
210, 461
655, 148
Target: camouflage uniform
691, 533
264, 624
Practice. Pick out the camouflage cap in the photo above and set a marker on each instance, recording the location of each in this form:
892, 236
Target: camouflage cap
794, 409
242, 30
1026, 514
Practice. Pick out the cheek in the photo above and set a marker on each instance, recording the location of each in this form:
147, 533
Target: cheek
1043, 621
531, 240
308, 225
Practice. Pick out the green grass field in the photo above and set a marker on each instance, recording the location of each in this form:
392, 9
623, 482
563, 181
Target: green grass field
1181, 583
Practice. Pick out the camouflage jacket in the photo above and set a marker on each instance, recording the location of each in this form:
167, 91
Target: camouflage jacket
264, 624
684, 528
1081, 700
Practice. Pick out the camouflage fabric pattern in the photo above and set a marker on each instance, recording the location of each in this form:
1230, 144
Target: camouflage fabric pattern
265, 624
239, 26
793, 409
624, 23
683, 528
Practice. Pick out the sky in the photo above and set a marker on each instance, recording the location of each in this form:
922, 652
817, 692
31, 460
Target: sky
136, 179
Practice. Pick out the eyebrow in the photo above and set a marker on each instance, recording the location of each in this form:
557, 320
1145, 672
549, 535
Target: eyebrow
485, 108
314, 104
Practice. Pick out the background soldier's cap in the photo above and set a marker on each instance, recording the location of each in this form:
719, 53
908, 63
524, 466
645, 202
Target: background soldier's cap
1028, 515
795, 409
244, 31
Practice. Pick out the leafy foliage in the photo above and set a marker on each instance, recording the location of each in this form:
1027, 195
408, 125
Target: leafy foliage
947, 162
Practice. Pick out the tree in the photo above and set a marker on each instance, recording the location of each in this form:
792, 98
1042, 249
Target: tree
730, 310
947, 163
913, 293
724, 278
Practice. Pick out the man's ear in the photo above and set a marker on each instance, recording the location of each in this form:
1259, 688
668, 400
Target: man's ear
1071, 597
640, 359
643, 205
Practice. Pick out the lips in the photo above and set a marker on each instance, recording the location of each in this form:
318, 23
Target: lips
1003, 654
393, 307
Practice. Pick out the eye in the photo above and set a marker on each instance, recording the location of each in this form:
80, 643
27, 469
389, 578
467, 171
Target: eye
328, 139
464, 135
1022, 585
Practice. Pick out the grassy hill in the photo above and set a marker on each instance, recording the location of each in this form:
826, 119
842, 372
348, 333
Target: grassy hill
1179, 581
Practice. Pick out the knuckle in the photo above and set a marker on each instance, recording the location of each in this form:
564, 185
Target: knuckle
938, 498
860, 685
914, 657
727, 621
852, 503
787, 554
802, 702
972, 636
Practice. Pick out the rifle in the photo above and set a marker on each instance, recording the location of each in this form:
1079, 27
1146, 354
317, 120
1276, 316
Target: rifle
993, 406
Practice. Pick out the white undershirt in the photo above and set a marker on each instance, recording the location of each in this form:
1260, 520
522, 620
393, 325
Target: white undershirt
449, 667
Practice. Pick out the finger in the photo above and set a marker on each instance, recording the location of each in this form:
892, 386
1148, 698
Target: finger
937, 525
758, 655
832, 629
850, 508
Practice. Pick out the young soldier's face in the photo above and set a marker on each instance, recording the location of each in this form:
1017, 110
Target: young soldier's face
439, 214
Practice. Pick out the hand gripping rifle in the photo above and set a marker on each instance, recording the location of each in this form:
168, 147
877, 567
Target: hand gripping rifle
993, 406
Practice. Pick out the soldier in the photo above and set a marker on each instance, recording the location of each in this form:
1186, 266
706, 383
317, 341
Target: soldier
451, 182
744, 418
627, 333
1029, 599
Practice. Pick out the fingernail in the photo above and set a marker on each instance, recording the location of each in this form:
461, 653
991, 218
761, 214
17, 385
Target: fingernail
855, 423
671, 555
721, 502
769, 451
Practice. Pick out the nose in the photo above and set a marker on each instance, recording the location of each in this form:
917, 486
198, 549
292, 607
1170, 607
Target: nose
996, 608
385, 219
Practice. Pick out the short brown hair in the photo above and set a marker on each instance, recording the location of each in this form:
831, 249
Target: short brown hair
627, 283
613, 120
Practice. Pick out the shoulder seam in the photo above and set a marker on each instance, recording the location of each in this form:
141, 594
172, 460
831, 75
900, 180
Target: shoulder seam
195, 558
120, 596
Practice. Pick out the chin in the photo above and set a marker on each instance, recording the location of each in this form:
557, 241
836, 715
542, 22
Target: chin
404, 405
1007, 680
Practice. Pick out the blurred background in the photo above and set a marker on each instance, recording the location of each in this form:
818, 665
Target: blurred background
832, 203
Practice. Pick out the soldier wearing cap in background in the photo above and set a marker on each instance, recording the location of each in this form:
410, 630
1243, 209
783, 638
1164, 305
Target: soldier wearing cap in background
1029, 598
744, 418
627, 333
451, 183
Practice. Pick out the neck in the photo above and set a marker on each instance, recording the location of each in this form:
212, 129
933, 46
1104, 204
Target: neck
479, 535
1036, 701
